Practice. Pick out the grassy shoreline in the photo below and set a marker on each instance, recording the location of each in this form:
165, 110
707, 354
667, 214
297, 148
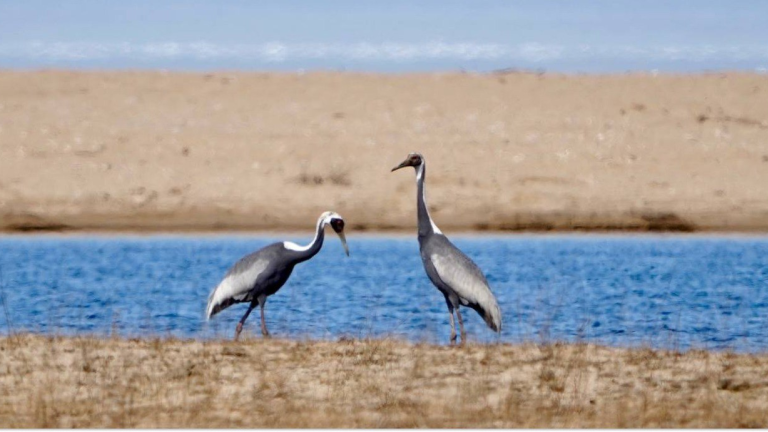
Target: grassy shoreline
100, 382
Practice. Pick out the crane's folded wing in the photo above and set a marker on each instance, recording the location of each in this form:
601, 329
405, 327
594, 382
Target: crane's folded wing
464, 277
236, 286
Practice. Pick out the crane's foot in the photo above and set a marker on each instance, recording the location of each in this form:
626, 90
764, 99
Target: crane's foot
453, 339
265, 333
238, 330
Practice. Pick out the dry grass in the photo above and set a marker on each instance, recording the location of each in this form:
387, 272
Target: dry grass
89, 382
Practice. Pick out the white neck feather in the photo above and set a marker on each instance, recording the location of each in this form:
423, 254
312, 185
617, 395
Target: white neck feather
419, 176
294, 247
320, 226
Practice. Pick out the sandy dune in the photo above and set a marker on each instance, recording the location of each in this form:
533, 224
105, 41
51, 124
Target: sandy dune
505, 151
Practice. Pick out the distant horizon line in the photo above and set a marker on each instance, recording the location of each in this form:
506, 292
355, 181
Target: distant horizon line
277, 53
340, 70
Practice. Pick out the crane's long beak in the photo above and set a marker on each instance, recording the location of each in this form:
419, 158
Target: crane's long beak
403, 164
343, 241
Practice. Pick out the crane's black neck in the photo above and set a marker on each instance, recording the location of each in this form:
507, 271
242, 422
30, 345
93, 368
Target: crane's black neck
313, 248
426, 226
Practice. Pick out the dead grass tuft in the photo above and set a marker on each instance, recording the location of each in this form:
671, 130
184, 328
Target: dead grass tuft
91, 382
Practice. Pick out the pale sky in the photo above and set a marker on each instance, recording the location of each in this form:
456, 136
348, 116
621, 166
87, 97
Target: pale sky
390, 35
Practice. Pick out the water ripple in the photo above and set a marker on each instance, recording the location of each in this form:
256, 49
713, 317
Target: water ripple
663, 291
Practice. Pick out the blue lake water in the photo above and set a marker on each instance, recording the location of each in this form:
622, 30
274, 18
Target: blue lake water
677, 292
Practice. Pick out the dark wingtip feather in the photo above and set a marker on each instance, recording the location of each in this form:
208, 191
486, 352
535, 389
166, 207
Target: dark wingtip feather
492, 323
212, 311
493, 320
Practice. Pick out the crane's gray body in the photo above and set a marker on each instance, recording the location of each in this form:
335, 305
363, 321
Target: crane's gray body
459, 279
260, 274
453, 273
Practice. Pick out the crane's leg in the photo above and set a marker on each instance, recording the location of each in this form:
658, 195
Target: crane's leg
461, 326
453, 326
264, 332
242, 320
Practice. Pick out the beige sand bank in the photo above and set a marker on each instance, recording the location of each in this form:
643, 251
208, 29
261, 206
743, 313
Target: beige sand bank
506, 151
82, 382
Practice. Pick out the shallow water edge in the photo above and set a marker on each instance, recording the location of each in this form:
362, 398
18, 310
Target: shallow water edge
664, 291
